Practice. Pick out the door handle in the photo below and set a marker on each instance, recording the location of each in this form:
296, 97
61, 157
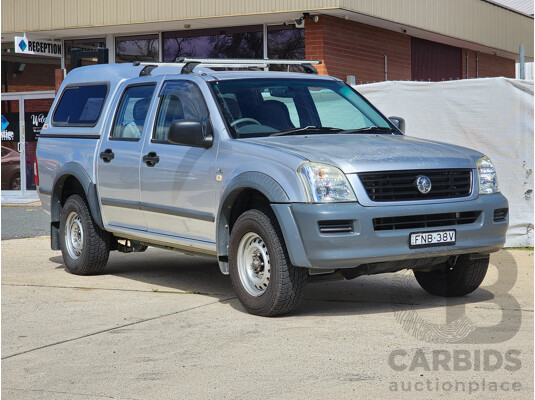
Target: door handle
107, 155
151, 159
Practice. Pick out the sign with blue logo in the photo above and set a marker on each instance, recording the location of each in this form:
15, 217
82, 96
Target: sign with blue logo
25, 45
10, 127
5, 123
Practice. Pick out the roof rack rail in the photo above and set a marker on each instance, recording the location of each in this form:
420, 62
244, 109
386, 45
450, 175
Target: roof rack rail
187, 65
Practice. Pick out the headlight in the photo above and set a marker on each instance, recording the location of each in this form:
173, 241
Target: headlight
488, 181
324, 183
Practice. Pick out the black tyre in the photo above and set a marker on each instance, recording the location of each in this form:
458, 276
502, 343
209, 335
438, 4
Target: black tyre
453, 281
85, 247
265, 281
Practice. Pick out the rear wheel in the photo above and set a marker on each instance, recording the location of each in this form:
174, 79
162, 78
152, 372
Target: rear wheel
85, 247
453, 281
265, 281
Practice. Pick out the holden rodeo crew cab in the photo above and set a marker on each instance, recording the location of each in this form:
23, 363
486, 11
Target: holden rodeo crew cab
280, 176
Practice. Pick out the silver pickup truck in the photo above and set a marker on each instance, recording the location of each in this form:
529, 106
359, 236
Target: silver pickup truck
281, 176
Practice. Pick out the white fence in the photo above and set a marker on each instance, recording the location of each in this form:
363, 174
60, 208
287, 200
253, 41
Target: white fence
491, 115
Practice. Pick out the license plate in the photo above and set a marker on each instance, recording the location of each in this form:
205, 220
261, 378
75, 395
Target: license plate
426, 239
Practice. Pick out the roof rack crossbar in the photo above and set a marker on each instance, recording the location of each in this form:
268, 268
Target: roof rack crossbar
245, 61
187, 65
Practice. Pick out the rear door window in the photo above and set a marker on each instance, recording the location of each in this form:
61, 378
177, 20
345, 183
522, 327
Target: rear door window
132, 113
80, 105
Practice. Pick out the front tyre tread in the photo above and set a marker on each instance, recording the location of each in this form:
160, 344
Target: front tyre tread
287, 283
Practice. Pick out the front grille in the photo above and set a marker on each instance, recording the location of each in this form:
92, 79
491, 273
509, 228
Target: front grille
425, 221
401, 185
335, 227
500, 214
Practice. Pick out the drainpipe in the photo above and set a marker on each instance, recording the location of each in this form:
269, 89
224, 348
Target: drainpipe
466, 63
522, 63
477, 64
386, 67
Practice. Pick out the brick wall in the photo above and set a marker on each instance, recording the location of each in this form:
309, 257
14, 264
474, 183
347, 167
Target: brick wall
489, 65
352, 48
34, 77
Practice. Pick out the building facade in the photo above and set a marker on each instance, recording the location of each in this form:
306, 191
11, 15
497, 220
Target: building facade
358, 40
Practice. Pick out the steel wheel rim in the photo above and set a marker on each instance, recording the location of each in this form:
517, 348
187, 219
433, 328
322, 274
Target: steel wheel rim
74, 235
254, 267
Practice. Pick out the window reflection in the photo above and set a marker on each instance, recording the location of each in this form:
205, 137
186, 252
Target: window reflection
286, 42
136, 48
239, 42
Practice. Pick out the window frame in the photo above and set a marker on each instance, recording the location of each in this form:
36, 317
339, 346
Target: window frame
126, 139
80, 124
208, 118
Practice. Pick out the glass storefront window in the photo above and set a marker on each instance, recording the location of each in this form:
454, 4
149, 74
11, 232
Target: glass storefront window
85, 44
35, 113
238, 42
11, 178
136, 48
286, 42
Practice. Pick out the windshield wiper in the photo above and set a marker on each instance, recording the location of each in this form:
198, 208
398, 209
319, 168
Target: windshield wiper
371, 129
308, 129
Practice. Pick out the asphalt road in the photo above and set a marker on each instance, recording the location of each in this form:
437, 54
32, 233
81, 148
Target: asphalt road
22, 221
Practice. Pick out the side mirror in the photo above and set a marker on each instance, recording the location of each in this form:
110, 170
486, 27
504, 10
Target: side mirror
188, 132
398, 122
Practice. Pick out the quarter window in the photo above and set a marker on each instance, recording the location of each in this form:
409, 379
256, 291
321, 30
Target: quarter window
80, 105
132, 112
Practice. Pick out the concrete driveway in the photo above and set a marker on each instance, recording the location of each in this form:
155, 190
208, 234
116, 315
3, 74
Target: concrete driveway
160, 325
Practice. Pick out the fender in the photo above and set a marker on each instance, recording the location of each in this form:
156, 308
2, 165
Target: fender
264, 184
90, 190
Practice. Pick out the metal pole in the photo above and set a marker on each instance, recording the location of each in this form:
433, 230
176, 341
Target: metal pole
160, 47
110, 44
522, 63
265, 44
477, 64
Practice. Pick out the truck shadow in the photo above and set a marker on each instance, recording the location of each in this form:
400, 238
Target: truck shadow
165, 271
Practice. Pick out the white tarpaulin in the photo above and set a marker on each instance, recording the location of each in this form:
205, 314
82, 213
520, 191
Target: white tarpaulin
491, 115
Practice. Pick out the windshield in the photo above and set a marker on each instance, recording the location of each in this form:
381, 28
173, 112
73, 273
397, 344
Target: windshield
266, 107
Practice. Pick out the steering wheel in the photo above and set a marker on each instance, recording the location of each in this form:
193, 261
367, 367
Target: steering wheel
243, 120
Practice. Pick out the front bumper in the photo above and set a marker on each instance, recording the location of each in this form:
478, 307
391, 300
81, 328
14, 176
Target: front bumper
308, 247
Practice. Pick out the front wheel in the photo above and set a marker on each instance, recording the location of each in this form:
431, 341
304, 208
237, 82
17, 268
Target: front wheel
262, 275
85, 247
453, 281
